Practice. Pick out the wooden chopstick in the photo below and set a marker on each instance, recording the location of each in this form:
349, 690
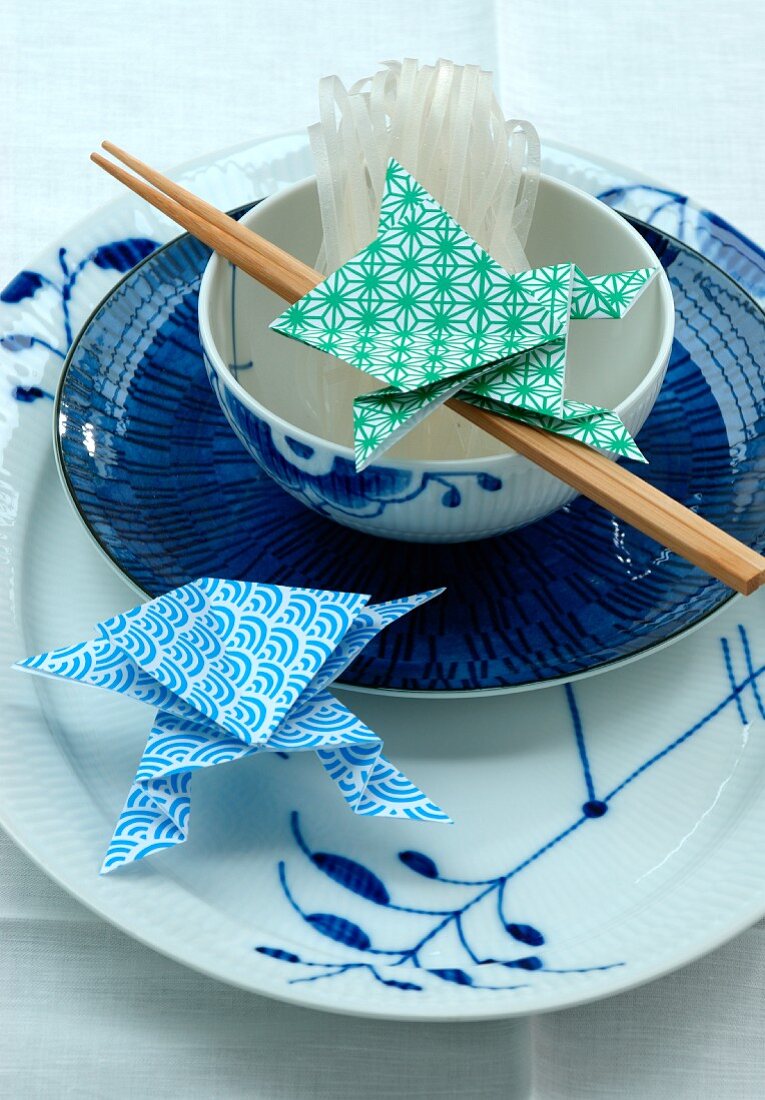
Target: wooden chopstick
265, 264
630, 498
586, 470
301, 277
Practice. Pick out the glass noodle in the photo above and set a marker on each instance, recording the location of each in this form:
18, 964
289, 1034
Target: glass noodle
445, 125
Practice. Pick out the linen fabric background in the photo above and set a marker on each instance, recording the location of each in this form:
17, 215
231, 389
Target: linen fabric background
673, 89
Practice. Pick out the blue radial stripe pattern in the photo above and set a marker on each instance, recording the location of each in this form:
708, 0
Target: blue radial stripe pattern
237, 669
171, 495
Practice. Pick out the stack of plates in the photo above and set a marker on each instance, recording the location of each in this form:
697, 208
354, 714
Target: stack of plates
608, 828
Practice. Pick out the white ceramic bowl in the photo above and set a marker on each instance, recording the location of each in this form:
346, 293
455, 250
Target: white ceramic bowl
446, 481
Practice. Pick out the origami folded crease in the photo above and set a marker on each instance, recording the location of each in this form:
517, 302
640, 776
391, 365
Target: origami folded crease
236, 668
426, 310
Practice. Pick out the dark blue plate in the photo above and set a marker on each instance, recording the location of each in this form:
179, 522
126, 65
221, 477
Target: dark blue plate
170, 495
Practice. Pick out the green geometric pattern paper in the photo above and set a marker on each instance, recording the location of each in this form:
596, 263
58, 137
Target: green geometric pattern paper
533, 380
599, 428
382, 417
426, 310
607, 296
424, 301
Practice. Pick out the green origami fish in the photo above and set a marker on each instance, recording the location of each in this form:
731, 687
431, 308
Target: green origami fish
427, 311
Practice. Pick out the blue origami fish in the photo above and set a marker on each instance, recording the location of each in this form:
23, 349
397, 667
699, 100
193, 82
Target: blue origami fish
236, 668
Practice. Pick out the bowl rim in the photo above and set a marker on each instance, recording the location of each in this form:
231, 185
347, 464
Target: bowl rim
216, 265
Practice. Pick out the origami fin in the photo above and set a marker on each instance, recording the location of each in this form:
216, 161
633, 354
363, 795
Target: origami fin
372, 787
534, 380
607, 296
598, 428
367, 625
243, 657
154, 817
102, 664
384, 416
320, 722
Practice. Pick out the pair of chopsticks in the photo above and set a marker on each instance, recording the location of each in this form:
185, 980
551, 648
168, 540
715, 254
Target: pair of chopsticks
589, 472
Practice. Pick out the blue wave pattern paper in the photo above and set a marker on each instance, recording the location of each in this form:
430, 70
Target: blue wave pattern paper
198, 642
235, 668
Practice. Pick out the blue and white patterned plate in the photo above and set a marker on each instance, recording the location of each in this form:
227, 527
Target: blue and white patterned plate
170, 495
604, 833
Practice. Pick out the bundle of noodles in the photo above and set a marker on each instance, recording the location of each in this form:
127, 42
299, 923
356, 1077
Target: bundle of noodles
444, 124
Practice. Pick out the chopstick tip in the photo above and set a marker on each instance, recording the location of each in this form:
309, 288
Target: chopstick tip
752, 583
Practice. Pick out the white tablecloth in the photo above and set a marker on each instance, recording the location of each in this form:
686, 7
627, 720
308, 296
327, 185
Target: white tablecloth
673, 88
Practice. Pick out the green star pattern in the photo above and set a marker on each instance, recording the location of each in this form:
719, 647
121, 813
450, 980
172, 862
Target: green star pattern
427, 311
599, 428
424, 302
533, 380
607, 296
380, 418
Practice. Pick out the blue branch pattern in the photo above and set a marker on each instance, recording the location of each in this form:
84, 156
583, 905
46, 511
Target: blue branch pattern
116, 256
364, 883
